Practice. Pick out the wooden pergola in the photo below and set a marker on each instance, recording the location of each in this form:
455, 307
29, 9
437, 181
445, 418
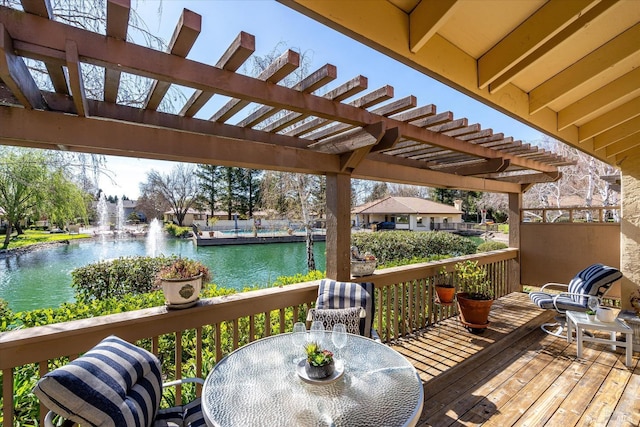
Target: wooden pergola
348, 132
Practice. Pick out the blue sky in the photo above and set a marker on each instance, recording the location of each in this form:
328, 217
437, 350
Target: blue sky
272, 23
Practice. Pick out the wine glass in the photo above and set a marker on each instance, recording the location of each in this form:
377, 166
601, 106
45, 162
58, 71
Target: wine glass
299, 337
339, 336
317, 332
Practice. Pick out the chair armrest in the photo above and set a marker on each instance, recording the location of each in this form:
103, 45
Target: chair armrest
570, 294
558, 286
183, 381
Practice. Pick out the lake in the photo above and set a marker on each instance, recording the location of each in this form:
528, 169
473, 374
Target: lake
42, 278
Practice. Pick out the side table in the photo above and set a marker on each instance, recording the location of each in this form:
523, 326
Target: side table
581, 322
442, 306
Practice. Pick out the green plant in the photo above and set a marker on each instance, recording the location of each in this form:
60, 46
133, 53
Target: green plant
316, 356
472, 279
184, 268
591, 312
491, 245
443, 279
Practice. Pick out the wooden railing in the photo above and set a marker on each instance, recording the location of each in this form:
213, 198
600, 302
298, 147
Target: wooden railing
404, 304
571, 214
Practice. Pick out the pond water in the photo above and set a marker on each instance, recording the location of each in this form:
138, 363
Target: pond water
42, 278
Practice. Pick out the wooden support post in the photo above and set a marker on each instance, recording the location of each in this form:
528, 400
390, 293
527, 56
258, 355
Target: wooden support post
338, 227
515, 204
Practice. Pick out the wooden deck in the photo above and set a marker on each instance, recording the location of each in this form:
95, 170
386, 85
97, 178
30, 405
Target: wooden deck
516, 375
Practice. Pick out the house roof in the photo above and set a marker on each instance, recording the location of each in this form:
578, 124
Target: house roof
405, 205
341, 131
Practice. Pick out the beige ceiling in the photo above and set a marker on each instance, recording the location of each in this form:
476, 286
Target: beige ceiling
570, 68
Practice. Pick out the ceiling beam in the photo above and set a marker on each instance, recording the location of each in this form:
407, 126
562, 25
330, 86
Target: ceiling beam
16, 75
184, 36
616, 134
426, 19
118, 12
611, 119
623, 88
600, 60
547, 28
483, 167
623, 145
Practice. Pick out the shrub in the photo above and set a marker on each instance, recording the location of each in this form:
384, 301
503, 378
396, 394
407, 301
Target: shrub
393, 246
117, 278
491, 245
177, 231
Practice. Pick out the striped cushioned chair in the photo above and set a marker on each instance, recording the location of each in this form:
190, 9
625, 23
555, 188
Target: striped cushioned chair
113, 384
594, 281
333, 295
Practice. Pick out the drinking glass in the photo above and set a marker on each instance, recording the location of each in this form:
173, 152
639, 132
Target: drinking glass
339, 336
299, 337
317, 332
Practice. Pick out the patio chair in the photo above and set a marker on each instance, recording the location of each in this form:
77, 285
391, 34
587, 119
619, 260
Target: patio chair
114, 384
346, 302
592, 282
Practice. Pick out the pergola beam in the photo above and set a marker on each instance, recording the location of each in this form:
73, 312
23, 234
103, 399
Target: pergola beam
56, 73
75, 78
184, 36
118, 12
240, 50
15, 74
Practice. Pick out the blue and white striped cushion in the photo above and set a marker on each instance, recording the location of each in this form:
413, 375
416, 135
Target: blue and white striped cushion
189, 415
332, 294
113, 384
594, 280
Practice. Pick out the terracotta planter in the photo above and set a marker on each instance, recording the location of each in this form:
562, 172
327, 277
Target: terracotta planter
319, 372
474, 314
445, 294
181, 293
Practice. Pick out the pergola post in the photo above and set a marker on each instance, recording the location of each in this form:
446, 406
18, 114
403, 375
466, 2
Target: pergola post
338, 227
515, 204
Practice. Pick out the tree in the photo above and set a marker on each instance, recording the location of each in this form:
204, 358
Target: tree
178, 188
208, 176
32, 184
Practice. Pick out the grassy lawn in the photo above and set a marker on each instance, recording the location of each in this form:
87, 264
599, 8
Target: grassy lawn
32, 237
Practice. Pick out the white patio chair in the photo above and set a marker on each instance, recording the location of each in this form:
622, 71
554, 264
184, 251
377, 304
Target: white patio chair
594, 281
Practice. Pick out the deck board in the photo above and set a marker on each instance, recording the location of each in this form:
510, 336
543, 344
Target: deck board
514, 374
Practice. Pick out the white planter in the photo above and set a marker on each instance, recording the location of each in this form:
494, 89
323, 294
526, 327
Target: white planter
605, 314
181, 293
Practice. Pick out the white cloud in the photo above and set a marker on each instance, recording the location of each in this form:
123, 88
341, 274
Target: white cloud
128, 173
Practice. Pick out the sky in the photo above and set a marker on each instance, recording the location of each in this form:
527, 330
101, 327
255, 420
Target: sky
272, 24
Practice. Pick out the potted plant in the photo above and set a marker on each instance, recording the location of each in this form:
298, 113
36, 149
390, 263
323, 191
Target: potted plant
591, 315
181, 281
319, 363
475, 297
445, 289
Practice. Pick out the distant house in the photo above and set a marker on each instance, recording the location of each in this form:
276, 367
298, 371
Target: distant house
408, 213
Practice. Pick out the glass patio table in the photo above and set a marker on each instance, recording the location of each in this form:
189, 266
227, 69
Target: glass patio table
263, 384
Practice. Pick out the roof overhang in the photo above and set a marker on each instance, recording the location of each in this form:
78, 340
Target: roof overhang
569, 69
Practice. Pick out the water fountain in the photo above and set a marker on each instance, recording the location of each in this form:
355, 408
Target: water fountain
120, 217
154, 243
103, 216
